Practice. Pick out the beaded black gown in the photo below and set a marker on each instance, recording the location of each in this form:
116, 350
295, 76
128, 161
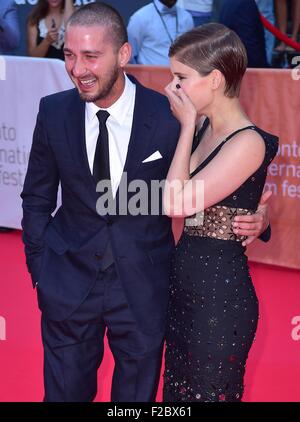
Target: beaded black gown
213, 310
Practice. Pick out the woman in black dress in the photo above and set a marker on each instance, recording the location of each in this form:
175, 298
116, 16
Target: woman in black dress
213, 309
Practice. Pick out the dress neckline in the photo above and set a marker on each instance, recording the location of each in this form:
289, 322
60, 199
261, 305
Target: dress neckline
199, 137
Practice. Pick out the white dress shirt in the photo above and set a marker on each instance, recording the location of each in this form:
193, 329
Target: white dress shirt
119, 125
152, 29
204, 6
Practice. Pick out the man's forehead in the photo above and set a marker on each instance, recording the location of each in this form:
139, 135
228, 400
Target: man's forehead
95, 33
91, 37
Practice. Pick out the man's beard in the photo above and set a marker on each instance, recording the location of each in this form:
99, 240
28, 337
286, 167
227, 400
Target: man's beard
104, 92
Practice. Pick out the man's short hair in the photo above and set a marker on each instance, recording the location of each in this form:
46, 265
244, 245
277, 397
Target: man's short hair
101, 14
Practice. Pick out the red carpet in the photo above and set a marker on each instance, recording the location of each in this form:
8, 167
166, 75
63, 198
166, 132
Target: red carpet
273, 369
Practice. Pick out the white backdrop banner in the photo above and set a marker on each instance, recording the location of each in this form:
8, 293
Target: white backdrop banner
23, 81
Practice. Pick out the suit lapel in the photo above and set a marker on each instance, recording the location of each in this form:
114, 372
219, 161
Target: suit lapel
143, 128
75, 128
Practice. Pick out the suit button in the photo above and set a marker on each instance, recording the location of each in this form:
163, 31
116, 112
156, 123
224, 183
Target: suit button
98, 256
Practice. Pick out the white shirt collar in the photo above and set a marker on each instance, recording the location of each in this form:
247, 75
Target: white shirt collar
165, 9
119, 109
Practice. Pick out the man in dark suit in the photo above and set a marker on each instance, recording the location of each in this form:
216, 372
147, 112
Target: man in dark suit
242, 16
94, 270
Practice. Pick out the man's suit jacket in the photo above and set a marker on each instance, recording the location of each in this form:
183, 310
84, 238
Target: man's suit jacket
242, 16
64, 251
9, 26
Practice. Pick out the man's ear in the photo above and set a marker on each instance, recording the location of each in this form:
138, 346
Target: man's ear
124, 54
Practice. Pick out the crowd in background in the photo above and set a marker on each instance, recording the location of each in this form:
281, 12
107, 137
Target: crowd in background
153, 27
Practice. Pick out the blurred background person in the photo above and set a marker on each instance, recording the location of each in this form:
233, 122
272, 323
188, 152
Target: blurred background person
201, 10
9, 26
243, 17
153, 28
266, 8
46, 28
282, 21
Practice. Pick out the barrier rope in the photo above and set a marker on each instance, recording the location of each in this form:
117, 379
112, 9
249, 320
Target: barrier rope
278, 34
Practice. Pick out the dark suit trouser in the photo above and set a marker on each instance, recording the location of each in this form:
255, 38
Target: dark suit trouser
73, 349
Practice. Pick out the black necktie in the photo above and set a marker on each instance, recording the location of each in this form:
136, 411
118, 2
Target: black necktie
101, 161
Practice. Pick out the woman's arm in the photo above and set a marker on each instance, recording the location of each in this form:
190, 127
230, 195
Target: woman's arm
179, 171
239, 158
41, 49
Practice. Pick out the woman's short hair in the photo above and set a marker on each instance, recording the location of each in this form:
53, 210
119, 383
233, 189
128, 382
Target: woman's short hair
213, 46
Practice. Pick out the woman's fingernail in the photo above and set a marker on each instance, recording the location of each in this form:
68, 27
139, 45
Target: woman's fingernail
178, 86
